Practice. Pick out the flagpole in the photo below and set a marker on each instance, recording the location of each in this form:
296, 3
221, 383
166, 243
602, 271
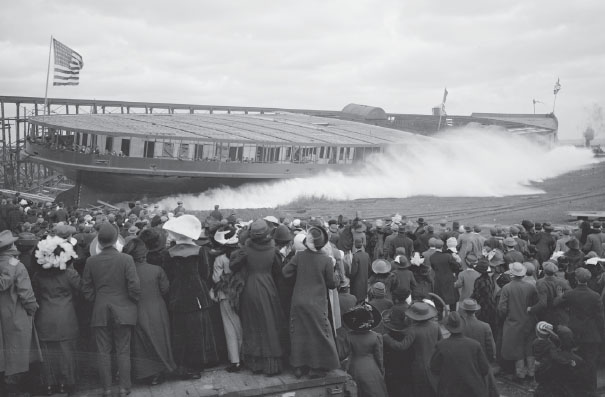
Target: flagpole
47, 76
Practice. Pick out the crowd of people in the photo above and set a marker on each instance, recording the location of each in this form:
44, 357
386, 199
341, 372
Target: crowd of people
407, 308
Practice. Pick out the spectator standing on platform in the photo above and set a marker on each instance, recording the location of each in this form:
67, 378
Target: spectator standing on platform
151, 348
364, 347
55, 286
110, 281
312, 345
188, 270
260, 310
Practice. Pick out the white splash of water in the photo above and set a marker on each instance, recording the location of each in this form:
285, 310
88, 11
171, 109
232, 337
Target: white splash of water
466, 162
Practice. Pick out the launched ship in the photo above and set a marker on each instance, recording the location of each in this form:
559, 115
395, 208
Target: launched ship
117, 157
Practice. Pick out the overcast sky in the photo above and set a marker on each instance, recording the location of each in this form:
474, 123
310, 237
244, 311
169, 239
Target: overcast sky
493, 56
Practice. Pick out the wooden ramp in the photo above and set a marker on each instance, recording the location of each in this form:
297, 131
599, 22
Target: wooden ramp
245, 384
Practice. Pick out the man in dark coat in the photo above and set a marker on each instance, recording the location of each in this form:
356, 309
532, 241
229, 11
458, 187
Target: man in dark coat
586, 320
110, 281
460, 363
360, 268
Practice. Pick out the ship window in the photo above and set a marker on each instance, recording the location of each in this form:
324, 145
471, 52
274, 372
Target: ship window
125, 148
184, 150
148, 149
199, 152
168, 149
109, 144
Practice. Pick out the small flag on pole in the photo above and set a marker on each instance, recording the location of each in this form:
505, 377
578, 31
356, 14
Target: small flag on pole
67, 65
557, 87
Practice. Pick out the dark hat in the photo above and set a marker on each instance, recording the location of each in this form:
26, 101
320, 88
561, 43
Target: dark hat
152, 239
317, 238
573, 243
420, 311
259, 230
482, 265
454, 323
107, 235
282, 233
394, 319
7, 238
470, 305
362, 318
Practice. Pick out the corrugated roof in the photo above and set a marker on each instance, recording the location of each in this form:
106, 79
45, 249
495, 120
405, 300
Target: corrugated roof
277, 128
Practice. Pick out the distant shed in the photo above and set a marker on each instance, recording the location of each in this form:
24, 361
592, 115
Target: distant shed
367, 113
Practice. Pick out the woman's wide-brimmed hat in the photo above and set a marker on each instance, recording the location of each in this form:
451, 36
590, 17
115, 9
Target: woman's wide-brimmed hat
185, 225
381, 266
363, 317
7, 238
394, 319
420, 311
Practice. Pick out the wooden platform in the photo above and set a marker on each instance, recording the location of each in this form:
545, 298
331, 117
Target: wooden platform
245, 384
587, 215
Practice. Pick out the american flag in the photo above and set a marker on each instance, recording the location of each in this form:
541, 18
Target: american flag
67, 65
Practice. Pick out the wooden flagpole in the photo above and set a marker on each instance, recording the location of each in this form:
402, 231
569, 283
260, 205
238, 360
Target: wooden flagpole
47, 76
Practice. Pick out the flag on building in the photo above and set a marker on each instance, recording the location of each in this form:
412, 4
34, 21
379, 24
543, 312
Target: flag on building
557, 87
67, 65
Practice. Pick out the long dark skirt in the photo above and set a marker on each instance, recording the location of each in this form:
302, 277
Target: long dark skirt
59, 365
193, 344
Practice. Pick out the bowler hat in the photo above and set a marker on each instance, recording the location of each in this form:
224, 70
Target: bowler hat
7, 238
381, 266
454, 323
394, 319
420, 311
361, 318
470, 305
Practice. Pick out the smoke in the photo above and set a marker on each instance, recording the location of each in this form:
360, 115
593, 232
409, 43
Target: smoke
467, 162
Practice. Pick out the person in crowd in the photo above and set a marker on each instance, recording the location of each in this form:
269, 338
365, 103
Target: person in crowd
381, 269
364, 347
595, 241
511, 255
55, 286
260, 310
188, 270
547, 287
517, 299
446, 269
151, 345
226, 291
421, 338
360, 269
397, 369
586, 321
466, 278
312, 345
17, 307
110, 281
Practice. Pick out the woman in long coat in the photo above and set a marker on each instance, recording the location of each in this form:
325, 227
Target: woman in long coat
57, 323
193, 343
17, 305
312, 344
151, 349
365, 349
260, 310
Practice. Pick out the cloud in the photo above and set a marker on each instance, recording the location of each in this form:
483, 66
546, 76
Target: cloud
493, 56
